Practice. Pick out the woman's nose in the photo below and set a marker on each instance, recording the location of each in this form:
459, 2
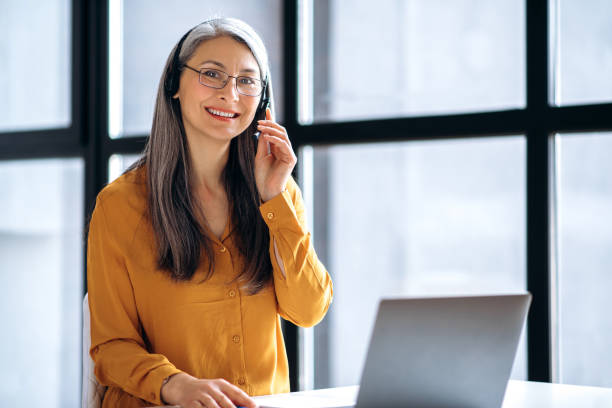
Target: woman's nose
229, 90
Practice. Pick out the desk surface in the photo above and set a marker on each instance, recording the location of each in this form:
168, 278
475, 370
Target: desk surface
519, 394
534, 394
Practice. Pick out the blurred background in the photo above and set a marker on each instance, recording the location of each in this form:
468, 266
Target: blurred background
445, 147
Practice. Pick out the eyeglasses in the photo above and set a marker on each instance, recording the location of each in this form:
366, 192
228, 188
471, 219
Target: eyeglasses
214, 78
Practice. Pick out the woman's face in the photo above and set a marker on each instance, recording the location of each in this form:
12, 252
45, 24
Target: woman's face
198, 101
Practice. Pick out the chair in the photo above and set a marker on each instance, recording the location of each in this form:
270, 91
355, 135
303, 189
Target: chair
93, 392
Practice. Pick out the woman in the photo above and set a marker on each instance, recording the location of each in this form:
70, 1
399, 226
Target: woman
196, 250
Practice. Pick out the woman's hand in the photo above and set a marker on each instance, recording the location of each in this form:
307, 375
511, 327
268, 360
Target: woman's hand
190, 392
272, 170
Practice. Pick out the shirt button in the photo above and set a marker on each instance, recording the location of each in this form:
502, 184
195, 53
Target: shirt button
236, 339
223, 249
232, 293
241, 381
270, 215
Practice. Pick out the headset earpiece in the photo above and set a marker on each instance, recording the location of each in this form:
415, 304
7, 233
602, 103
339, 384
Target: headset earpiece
172, 79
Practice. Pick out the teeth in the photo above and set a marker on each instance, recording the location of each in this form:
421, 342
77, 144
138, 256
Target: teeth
219, 113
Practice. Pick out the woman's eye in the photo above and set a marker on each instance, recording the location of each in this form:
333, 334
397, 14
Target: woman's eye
247, 80
211, 74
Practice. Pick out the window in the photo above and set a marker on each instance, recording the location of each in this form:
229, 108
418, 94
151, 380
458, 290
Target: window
412, 218
409, 58
41, 252
35, 69
582, 46
585, 259
118, 163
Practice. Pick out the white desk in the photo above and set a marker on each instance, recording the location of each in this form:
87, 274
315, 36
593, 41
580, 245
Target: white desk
544, 395
519, 394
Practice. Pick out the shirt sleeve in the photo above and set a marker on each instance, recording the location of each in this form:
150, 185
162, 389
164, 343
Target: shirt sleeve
117, 347
305, 292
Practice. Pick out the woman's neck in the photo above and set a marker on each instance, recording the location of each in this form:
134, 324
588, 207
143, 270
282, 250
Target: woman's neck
208, 160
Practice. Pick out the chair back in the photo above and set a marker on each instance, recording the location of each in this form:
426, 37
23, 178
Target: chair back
93, 392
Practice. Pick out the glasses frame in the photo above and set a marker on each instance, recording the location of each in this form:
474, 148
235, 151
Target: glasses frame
200, 71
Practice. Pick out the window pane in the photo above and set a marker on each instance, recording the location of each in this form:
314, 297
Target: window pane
142, 34
35, 69
411, 219
585, 258
404, 58
583, 51
118, 163
41, 271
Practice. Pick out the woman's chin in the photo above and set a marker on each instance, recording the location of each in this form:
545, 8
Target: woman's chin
224, 137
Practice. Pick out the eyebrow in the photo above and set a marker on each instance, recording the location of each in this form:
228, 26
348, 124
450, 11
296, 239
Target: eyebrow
220, 65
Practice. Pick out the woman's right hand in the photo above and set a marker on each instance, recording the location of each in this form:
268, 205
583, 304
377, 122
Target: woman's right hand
190, 392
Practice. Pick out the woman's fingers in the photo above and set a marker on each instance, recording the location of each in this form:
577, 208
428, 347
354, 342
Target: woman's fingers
208, 401
273, 134
222, 400
239, 397
274, 131
280, 148
268, 122
217, 393
263, 148
272, 123
269, 126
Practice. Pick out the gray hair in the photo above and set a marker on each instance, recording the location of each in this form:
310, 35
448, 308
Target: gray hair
173, 211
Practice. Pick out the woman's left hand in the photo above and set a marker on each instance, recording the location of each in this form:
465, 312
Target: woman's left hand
272, 170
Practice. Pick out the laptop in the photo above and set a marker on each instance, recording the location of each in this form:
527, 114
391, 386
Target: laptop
430, 352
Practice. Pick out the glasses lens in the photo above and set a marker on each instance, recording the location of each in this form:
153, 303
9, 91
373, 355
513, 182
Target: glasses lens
248, 86
213, 78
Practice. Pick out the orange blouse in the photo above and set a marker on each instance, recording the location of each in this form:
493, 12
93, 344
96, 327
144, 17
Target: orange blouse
145, 326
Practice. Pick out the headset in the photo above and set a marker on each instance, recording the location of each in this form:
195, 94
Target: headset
171, 84
264, 103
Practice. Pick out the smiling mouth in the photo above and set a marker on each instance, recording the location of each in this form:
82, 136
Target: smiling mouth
225, 116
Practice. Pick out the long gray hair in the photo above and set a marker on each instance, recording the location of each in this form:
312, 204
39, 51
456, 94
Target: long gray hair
172, 207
